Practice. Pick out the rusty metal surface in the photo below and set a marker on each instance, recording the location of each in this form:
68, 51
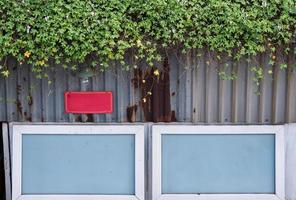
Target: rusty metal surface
195, 93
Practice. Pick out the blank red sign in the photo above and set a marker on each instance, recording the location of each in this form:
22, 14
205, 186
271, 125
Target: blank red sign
88, 102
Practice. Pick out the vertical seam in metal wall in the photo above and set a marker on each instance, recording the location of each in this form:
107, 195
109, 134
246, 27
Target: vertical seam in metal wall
5, 100
245, 91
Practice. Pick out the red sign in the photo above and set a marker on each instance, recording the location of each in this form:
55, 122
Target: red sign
88, 102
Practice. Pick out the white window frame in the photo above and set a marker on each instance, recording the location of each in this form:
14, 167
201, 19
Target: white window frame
18, 130
277, 130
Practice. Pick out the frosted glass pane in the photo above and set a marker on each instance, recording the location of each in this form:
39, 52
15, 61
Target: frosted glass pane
78, 164
218, 163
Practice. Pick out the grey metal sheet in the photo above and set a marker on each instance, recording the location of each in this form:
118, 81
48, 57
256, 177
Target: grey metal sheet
197, 93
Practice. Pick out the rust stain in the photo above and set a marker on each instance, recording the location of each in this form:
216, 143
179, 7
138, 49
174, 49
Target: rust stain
27, 117
18, 89
90, 118
78, 118
174, 119
137, 79
146, 100
156, 97
167, 114
131, 113
30, 100
19, 107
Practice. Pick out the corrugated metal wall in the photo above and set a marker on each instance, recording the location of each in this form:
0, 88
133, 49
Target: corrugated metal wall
197, 92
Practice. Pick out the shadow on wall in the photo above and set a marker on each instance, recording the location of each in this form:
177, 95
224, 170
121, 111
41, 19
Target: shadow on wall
2, 172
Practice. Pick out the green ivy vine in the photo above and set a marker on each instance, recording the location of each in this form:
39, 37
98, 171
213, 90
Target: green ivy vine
69, 32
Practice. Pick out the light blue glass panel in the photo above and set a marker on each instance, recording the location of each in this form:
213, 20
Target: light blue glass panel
78, 164
218, 163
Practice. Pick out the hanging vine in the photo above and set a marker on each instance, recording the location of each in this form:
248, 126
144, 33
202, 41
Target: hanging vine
70, 32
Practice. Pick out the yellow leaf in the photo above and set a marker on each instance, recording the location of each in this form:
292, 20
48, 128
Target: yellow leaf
41, 62
156, 72
139, 43
27, 54
5, 73
110, 55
